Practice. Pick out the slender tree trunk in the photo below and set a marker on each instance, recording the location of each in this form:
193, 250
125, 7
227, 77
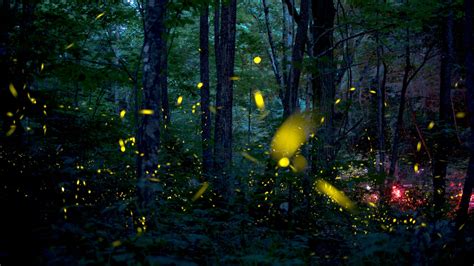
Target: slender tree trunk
401, 108
273, 54
164, 84
224, 98
291, 93
205, 98
323, 81
149, 131
287, 43
469, 66
445, 124
7, 98
380, 110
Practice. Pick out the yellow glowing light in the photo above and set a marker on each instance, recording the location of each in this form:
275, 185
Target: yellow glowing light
418, 146
257, 60
460, 115
116, 243
32, 100
372, 91
259, 100
284, 162
249, 157
431, 125
122, 113
212, 109
352, 89
338, 101
199, 85
291, 135
322, 120
42, 67
299, 163
62, 189
336, 195
9, 114
100, 15
416, 167
122, 145
201, 190
146, 112
70, 46
44, 129
13, 90
179, 101
234, 78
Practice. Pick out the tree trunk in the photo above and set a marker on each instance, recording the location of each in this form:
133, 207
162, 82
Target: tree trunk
225, 55
7, 100
291, 93
445, 124
401, 108
380, 110
323, 80
287, 41
273, 54
149, 131
164, 84
204, 70
469, 66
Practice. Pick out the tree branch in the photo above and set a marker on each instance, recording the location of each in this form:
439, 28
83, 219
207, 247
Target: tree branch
292, 10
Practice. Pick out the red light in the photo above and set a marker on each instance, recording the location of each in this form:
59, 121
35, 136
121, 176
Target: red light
396, 192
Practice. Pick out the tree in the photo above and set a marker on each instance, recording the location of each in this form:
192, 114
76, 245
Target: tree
204, 87
302, 19
445, 126
323, 81
462, 213
149, 132
225, 53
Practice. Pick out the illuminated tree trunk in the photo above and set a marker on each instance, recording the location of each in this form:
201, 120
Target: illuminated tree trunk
225, 54
469, 66
149, 130
204, 90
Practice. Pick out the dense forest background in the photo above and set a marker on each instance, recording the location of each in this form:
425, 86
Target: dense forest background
254, 132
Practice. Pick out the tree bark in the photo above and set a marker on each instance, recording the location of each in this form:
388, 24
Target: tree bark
7, 99
380, 110
401, 107
287, 43
273, 54
149, 130
164, 84
323, 80
225, 56
462, 213
291, 94
445, 124
205, 98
